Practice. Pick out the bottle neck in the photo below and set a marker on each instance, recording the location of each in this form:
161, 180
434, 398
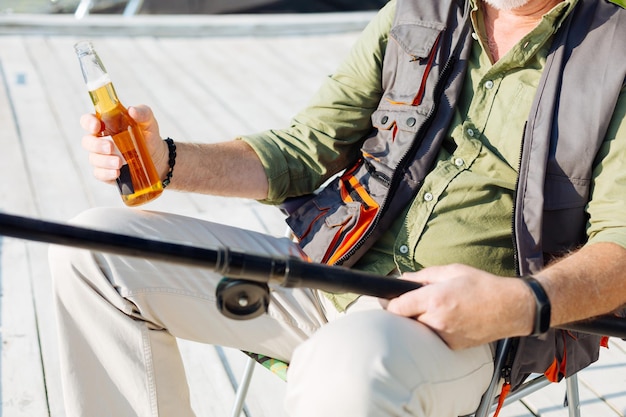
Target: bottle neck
97, 79
104, 98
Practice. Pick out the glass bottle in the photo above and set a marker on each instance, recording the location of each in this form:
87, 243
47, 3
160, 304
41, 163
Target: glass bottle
139, 181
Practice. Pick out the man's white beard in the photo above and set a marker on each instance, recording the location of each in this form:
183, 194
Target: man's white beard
506, 4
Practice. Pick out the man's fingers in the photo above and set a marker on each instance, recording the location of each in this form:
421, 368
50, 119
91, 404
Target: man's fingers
90, 123
409, 304
107, 162
96, 144
140, 113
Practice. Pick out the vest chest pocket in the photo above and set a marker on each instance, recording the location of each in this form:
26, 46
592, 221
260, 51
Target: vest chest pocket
414, 51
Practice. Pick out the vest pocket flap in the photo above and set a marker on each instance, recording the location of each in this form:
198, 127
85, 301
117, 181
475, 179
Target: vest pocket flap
344, 216
417, 39
406, 120
325, 218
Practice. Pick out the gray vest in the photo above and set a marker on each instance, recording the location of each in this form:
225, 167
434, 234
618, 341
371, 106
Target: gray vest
423, 72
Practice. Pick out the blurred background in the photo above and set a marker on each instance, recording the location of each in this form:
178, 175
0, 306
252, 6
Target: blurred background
193, 6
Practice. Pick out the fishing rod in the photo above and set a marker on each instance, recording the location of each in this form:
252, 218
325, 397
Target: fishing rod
243, 293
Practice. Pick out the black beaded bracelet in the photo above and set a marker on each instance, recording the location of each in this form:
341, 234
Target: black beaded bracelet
171, 147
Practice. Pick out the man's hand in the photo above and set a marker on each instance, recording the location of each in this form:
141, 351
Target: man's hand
103, 157
467, 307
230, 168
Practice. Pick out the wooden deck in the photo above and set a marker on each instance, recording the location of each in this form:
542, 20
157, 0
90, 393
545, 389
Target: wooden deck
203, 86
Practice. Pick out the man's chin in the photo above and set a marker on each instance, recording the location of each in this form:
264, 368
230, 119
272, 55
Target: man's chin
507, 5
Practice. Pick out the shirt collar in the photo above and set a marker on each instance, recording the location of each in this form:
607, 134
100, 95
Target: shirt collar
557, 15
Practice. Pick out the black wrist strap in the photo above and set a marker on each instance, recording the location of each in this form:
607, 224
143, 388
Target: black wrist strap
543, 310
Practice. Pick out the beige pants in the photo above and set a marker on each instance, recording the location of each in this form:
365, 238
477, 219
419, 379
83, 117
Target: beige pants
118, 319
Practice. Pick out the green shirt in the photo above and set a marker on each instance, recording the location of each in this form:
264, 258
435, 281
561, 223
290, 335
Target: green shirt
463, 211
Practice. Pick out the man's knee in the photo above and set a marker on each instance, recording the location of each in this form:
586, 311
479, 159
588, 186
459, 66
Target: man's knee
376, 364
351, 367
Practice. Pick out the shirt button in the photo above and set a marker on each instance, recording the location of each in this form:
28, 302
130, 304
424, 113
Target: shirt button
489, 85
404, 249
471, 133
428, 197
459, 162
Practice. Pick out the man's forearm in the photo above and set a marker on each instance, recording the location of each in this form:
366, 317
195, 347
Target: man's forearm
588, 283
228, 169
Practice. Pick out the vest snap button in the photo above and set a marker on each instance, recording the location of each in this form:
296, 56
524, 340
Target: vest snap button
411, 121
384, 120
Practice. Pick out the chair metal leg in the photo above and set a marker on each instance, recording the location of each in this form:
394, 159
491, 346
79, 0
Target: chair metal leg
242, 390
488, 397
526, 389
573, 398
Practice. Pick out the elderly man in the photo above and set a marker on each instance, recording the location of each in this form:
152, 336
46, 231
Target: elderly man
481, 146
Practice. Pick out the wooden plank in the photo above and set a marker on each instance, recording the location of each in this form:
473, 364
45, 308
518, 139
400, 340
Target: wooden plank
15, 195
210, 388
22, 390
607, 378
42, 302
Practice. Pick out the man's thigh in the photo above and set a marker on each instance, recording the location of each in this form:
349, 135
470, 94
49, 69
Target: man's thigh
182, 299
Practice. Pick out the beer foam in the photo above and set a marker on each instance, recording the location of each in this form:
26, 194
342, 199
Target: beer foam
103, 80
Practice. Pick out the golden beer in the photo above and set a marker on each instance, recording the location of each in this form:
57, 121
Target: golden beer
138, 182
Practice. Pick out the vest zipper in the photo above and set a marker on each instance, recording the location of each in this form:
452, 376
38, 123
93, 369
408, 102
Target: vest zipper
507, 368
395, 180
384, 179
513, 222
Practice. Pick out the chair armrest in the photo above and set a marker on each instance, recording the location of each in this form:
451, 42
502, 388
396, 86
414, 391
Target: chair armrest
609, 325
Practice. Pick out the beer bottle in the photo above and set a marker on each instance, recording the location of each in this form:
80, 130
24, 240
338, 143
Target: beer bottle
138, 181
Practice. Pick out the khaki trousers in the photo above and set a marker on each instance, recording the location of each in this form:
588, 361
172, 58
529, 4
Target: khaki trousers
119, 317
